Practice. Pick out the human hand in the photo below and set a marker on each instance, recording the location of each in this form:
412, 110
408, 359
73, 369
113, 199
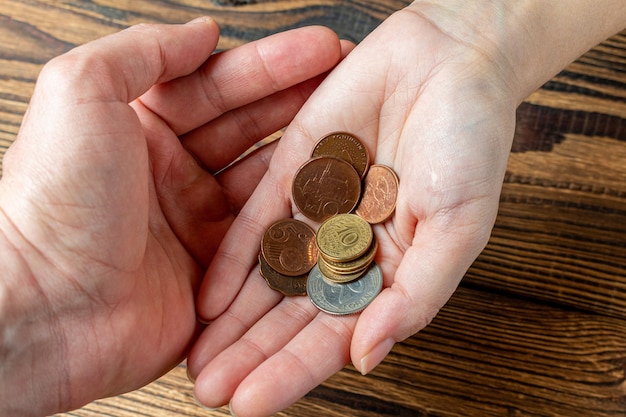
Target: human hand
437, 109
110, 212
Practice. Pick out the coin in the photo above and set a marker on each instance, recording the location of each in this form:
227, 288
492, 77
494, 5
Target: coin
344, 237
352, 266
289, 286
380, 191
339, 277
348, 298
326, 186
344, 146
289, 247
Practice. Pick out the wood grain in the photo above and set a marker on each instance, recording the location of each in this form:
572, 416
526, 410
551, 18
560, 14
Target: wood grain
538, 326
561, 230
485, 354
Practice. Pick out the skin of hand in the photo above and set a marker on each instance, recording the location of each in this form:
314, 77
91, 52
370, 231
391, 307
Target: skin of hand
108, 220
432, 92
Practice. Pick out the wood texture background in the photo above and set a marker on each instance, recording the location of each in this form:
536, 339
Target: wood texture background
538, 326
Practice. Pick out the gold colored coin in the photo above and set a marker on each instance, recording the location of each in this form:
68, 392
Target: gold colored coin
339, 278
357, 264
344, 237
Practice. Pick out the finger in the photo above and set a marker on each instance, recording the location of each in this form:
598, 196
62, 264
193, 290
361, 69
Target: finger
423, 283
255, 299
159, 53
237, 253
317, 352
221, 376
219, 142
243, 75
198, 207
241, 179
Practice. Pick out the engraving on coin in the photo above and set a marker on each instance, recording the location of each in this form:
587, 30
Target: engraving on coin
289, 286
289, 247
326, 186
344, 146
347, 298
334, 266
380, 191
344, 237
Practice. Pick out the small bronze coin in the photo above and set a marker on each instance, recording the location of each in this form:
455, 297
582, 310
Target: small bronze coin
326, 186
380, 191
348, 298
344, 237
288, 286
289, 247
344, 146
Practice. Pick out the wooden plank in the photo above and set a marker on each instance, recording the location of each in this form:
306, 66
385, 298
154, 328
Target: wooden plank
560, 235
538, 326
485, 354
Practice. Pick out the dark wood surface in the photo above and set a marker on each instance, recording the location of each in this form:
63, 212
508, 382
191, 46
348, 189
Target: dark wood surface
538, 326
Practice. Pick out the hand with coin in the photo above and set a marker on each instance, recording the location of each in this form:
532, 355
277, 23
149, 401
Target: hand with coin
431, 93
117, 192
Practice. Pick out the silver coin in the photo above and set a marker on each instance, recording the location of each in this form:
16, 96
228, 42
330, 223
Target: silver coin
348, 298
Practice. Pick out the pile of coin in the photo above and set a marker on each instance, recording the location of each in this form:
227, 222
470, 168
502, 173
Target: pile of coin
334, 266
347, 246
288, 252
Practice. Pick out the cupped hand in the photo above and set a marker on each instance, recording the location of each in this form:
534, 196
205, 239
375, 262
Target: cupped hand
439, 110
119, 189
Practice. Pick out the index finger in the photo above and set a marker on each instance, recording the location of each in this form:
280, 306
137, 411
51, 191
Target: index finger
243, 75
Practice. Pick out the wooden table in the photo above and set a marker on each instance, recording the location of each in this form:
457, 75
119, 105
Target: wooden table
538, 326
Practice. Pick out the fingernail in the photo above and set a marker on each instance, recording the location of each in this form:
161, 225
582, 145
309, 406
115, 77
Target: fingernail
230, 408
204, 407
201, 19
376, 356
190, 377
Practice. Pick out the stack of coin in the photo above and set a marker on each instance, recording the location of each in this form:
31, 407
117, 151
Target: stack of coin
347, 247
337, 180
346, 279
288, 252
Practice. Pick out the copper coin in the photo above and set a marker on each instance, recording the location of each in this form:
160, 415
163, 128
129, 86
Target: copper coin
344, 146
326, 186
380, 191
289, 247
288, 286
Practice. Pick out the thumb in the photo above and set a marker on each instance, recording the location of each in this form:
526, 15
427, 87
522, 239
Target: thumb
124, 65
424, 281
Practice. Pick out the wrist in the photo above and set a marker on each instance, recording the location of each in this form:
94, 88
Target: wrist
527, 41
31, 354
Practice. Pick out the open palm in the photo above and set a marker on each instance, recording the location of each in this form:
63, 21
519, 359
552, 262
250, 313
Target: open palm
438, 112
116, 209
